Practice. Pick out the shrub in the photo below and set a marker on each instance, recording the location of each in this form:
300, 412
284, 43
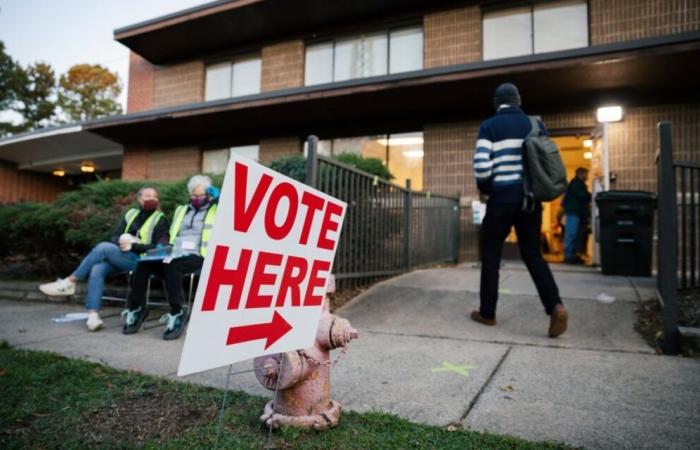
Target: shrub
375, 166
293, 166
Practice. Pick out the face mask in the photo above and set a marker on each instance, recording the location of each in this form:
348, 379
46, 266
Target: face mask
150, 205
198, 202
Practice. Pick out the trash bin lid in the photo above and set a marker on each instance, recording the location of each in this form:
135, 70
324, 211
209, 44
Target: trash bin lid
624, 196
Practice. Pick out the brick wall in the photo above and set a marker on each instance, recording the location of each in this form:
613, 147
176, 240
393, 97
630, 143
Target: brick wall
282, 66
20, 185
174, 163
447, 167
633, 143
623, 20
141, 84
135, 162
271, 149
452, 37
178, 84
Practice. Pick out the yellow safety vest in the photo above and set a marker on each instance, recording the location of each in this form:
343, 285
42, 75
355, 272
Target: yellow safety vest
145, 233
179, 217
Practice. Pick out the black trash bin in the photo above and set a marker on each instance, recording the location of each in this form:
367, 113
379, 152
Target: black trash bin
626, 232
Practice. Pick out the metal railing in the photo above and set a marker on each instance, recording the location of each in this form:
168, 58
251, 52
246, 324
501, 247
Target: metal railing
678, 258
388, 229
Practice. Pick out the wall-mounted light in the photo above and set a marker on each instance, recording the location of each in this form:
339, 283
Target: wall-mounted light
59, 173
408, 140
87, 167
588, 155
413, 153
588, 143
607, 114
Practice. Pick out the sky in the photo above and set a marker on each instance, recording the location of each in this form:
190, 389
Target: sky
67, 32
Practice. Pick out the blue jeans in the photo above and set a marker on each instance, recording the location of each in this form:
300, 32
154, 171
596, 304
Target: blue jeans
570, 236
103, 260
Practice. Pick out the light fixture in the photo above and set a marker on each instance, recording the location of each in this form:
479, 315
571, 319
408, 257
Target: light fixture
59, 173
588, 155
588, 143
609, 114
87, 167
413, 140
413, 153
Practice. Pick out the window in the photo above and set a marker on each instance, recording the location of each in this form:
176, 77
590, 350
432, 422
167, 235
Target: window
539, 28
215, 161
365, 55
401, 153
233, 79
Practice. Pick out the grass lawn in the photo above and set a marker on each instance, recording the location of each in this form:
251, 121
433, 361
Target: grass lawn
49, 401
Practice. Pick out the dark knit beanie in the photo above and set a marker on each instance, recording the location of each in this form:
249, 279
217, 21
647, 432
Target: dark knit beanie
506, 94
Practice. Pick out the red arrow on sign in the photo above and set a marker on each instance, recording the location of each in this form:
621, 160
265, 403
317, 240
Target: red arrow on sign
272, 331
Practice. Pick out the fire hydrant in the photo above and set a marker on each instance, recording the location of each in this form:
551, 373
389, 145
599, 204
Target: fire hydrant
302, 377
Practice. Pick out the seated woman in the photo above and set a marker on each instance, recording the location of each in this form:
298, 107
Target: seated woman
190, 232
138, 231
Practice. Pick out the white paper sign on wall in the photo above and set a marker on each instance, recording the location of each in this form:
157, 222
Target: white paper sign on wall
264, 276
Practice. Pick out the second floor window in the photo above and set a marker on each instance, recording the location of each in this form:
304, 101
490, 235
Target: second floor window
539, 28
365, 55
233, 79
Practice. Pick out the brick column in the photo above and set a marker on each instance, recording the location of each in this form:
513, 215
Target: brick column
173, 164
452, 37
141, 84
272, 149
282, 66
135, 163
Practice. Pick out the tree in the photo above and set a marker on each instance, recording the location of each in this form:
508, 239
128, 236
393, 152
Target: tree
89, 91
29, 92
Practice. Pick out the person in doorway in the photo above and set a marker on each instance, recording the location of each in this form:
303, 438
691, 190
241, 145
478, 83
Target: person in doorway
499, 175
576, 203
140, 230
190, 232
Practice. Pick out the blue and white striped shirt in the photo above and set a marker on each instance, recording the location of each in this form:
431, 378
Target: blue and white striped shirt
498, 158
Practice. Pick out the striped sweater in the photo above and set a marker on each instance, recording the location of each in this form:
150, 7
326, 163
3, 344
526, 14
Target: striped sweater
498, 159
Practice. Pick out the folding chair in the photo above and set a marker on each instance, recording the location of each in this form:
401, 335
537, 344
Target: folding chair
189, 278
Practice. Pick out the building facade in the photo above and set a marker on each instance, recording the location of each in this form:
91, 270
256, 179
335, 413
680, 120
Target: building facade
407, 81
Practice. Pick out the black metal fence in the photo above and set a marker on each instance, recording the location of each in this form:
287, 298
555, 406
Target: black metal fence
678, 256
388, 229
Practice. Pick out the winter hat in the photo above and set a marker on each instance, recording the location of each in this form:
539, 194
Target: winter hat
506, 94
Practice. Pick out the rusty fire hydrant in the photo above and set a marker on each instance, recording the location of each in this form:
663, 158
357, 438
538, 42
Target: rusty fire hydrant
303, 377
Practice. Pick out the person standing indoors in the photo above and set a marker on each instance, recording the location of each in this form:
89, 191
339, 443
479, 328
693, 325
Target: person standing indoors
140, 230
498, 167
576, 201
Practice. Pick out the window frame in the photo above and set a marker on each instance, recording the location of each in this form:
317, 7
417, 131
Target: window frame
231, 60
384, 29
505, 6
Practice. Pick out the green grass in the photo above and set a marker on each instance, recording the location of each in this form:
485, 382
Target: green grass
49, 401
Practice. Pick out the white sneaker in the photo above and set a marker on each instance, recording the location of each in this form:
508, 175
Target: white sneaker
58, 288
94, 322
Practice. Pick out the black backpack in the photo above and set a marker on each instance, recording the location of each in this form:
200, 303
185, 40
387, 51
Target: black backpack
544, 172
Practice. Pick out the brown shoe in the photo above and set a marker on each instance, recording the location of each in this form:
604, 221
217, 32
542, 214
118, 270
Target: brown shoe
477, 317
558, 321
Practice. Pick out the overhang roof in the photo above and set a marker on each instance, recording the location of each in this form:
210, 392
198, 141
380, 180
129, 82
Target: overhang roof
65, 147
222, 25
644, 72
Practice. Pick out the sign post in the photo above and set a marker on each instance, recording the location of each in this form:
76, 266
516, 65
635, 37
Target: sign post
264, 277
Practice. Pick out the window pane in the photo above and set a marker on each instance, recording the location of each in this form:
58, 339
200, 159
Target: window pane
507, 33
247, 151
323, 148
367, 146
218, 81
347, 61
374, 59
246, 76
318, 64
406, 158
561, 25
214, 161
406, 47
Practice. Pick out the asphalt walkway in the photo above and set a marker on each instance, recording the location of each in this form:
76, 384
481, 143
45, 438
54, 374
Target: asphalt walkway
419, 356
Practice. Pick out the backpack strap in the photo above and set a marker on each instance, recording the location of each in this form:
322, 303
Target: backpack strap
529, 197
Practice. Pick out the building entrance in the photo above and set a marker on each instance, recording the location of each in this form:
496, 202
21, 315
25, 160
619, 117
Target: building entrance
577, 151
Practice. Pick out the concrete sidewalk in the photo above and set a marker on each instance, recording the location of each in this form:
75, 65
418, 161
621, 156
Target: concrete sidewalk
419, 356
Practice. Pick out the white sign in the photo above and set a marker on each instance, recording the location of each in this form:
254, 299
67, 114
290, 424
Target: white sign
264, 276
478, 212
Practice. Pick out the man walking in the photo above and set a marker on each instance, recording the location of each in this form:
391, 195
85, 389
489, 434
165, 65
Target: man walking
499, 175
576, 201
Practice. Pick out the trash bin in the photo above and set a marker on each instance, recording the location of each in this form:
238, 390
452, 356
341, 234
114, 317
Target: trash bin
626, 232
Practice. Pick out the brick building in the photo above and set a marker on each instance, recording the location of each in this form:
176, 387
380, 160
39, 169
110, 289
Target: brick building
407, 81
